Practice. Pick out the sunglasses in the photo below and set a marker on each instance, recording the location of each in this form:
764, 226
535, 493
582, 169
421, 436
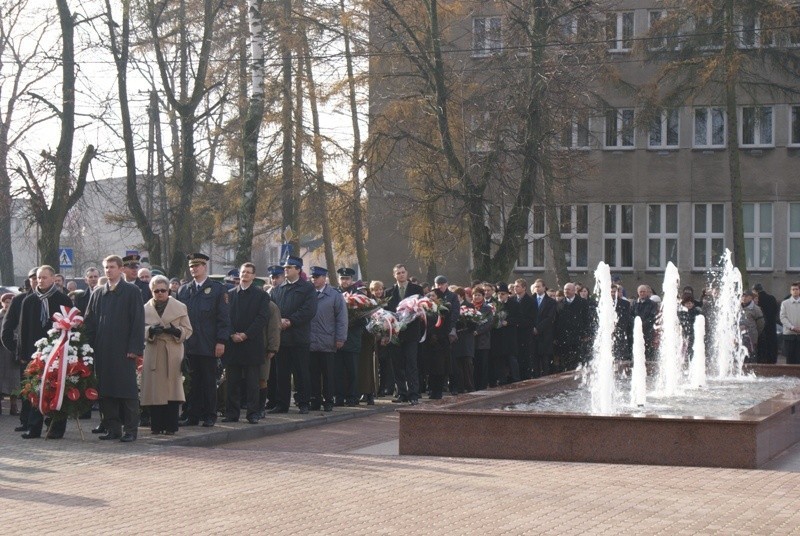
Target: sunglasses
160, 291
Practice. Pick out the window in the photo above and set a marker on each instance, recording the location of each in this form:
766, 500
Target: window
662, 235
794, 126
756, 126
751, 34
664, 130
794, 236
758, 235
576, 134
487, 36
709, 234
794, 28
618, 236
531, 254
660, 36
574, 221
620, 131
481, 132
709, 127
619, 31
709, 30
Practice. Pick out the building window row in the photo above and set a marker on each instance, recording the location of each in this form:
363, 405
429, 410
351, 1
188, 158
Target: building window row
709, 128
708, 229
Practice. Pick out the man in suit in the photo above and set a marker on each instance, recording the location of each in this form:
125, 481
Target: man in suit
768, 341
90, 277
647, 310
207, 302
404, 356
245, 350
297, 301
572, 328
543, 329
524, 327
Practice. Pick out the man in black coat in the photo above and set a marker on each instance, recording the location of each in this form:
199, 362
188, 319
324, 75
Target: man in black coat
438, 346
10, 330
543, 329
297, 300
524, 327
623, 327
246, 349
90, 277
207, 304
404, 356
647, 310
768, 341
504, 366
35, 320
115, 329
573, 326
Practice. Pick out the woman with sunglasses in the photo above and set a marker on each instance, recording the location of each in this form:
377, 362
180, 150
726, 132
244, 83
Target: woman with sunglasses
166, 327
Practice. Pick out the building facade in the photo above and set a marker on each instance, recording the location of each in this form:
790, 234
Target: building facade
656, 191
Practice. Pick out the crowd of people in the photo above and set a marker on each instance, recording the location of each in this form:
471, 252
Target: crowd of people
169, 353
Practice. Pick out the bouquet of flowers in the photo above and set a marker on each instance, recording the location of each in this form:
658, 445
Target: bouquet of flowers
469, 318
385, 325
499, 314
60, 379
359, 306
415, 307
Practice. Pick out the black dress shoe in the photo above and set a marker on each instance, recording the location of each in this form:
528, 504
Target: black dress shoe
278, 409
209, 423
109, 436
399, 400
327, 407
55, 436
228, 419
127, 437
413, 402
303, 410
31, 435
188, 422
370, 400
21, 429
99, 429
252, 420
169, 432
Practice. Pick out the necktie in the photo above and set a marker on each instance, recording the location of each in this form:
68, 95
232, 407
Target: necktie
538, 300
402, 292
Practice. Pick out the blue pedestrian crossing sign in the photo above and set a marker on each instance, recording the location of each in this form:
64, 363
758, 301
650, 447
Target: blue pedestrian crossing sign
65, 257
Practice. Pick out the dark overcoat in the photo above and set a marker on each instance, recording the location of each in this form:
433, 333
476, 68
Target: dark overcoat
298, 303
30, 323
249, 310
544, 320
115, 328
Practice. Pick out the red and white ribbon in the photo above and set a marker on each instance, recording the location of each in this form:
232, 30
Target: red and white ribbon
68, 318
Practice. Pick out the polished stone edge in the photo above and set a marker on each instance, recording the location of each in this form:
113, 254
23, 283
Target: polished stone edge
466, 428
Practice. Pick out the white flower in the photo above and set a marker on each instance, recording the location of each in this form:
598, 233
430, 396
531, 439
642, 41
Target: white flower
41, 343
88, 360
73, 379
86, 349
53, 331
72, 359
75, 337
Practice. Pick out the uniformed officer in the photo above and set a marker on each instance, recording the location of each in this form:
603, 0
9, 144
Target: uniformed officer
207, 303
130, 270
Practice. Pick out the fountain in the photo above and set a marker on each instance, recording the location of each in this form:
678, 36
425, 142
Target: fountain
676, 413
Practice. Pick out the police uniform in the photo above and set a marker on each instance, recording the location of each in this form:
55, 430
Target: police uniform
132, 261
208, 309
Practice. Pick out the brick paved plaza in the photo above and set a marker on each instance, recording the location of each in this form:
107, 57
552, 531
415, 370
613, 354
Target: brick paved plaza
345, 478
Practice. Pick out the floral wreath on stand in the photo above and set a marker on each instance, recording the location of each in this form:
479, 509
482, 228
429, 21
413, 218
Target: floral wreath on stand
59, 380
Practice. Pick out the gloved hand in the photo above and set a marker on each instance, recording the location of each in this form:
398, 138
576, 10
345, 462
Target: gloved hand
172, 330
155, 330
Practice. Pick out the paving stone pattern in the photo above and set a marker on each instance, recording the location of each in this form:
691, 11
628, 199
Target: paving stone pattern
309, 482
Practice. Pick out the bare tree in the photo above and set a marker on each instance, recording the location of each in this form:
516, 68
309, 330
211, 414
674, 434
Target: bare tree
67, 187
21, 69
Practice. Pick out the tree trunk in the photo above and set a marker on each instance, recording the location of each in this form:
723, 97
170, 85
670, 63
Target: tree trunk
319, 155
152, 241
731, 109
288, 208
356, 162
7, 258
250, 131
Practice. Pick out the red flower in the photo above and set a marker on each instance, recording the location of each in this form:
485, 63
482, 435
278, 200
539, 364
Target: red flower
34, 367
73, 394
91, 393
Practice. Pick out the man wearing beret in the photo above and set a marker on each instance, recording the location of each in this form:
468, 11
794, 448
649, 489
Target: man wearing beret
207, 303
297, 301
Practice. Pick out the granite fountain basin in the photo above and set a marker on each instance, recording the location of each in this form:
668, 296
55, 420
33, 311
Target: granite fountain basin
476, 426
